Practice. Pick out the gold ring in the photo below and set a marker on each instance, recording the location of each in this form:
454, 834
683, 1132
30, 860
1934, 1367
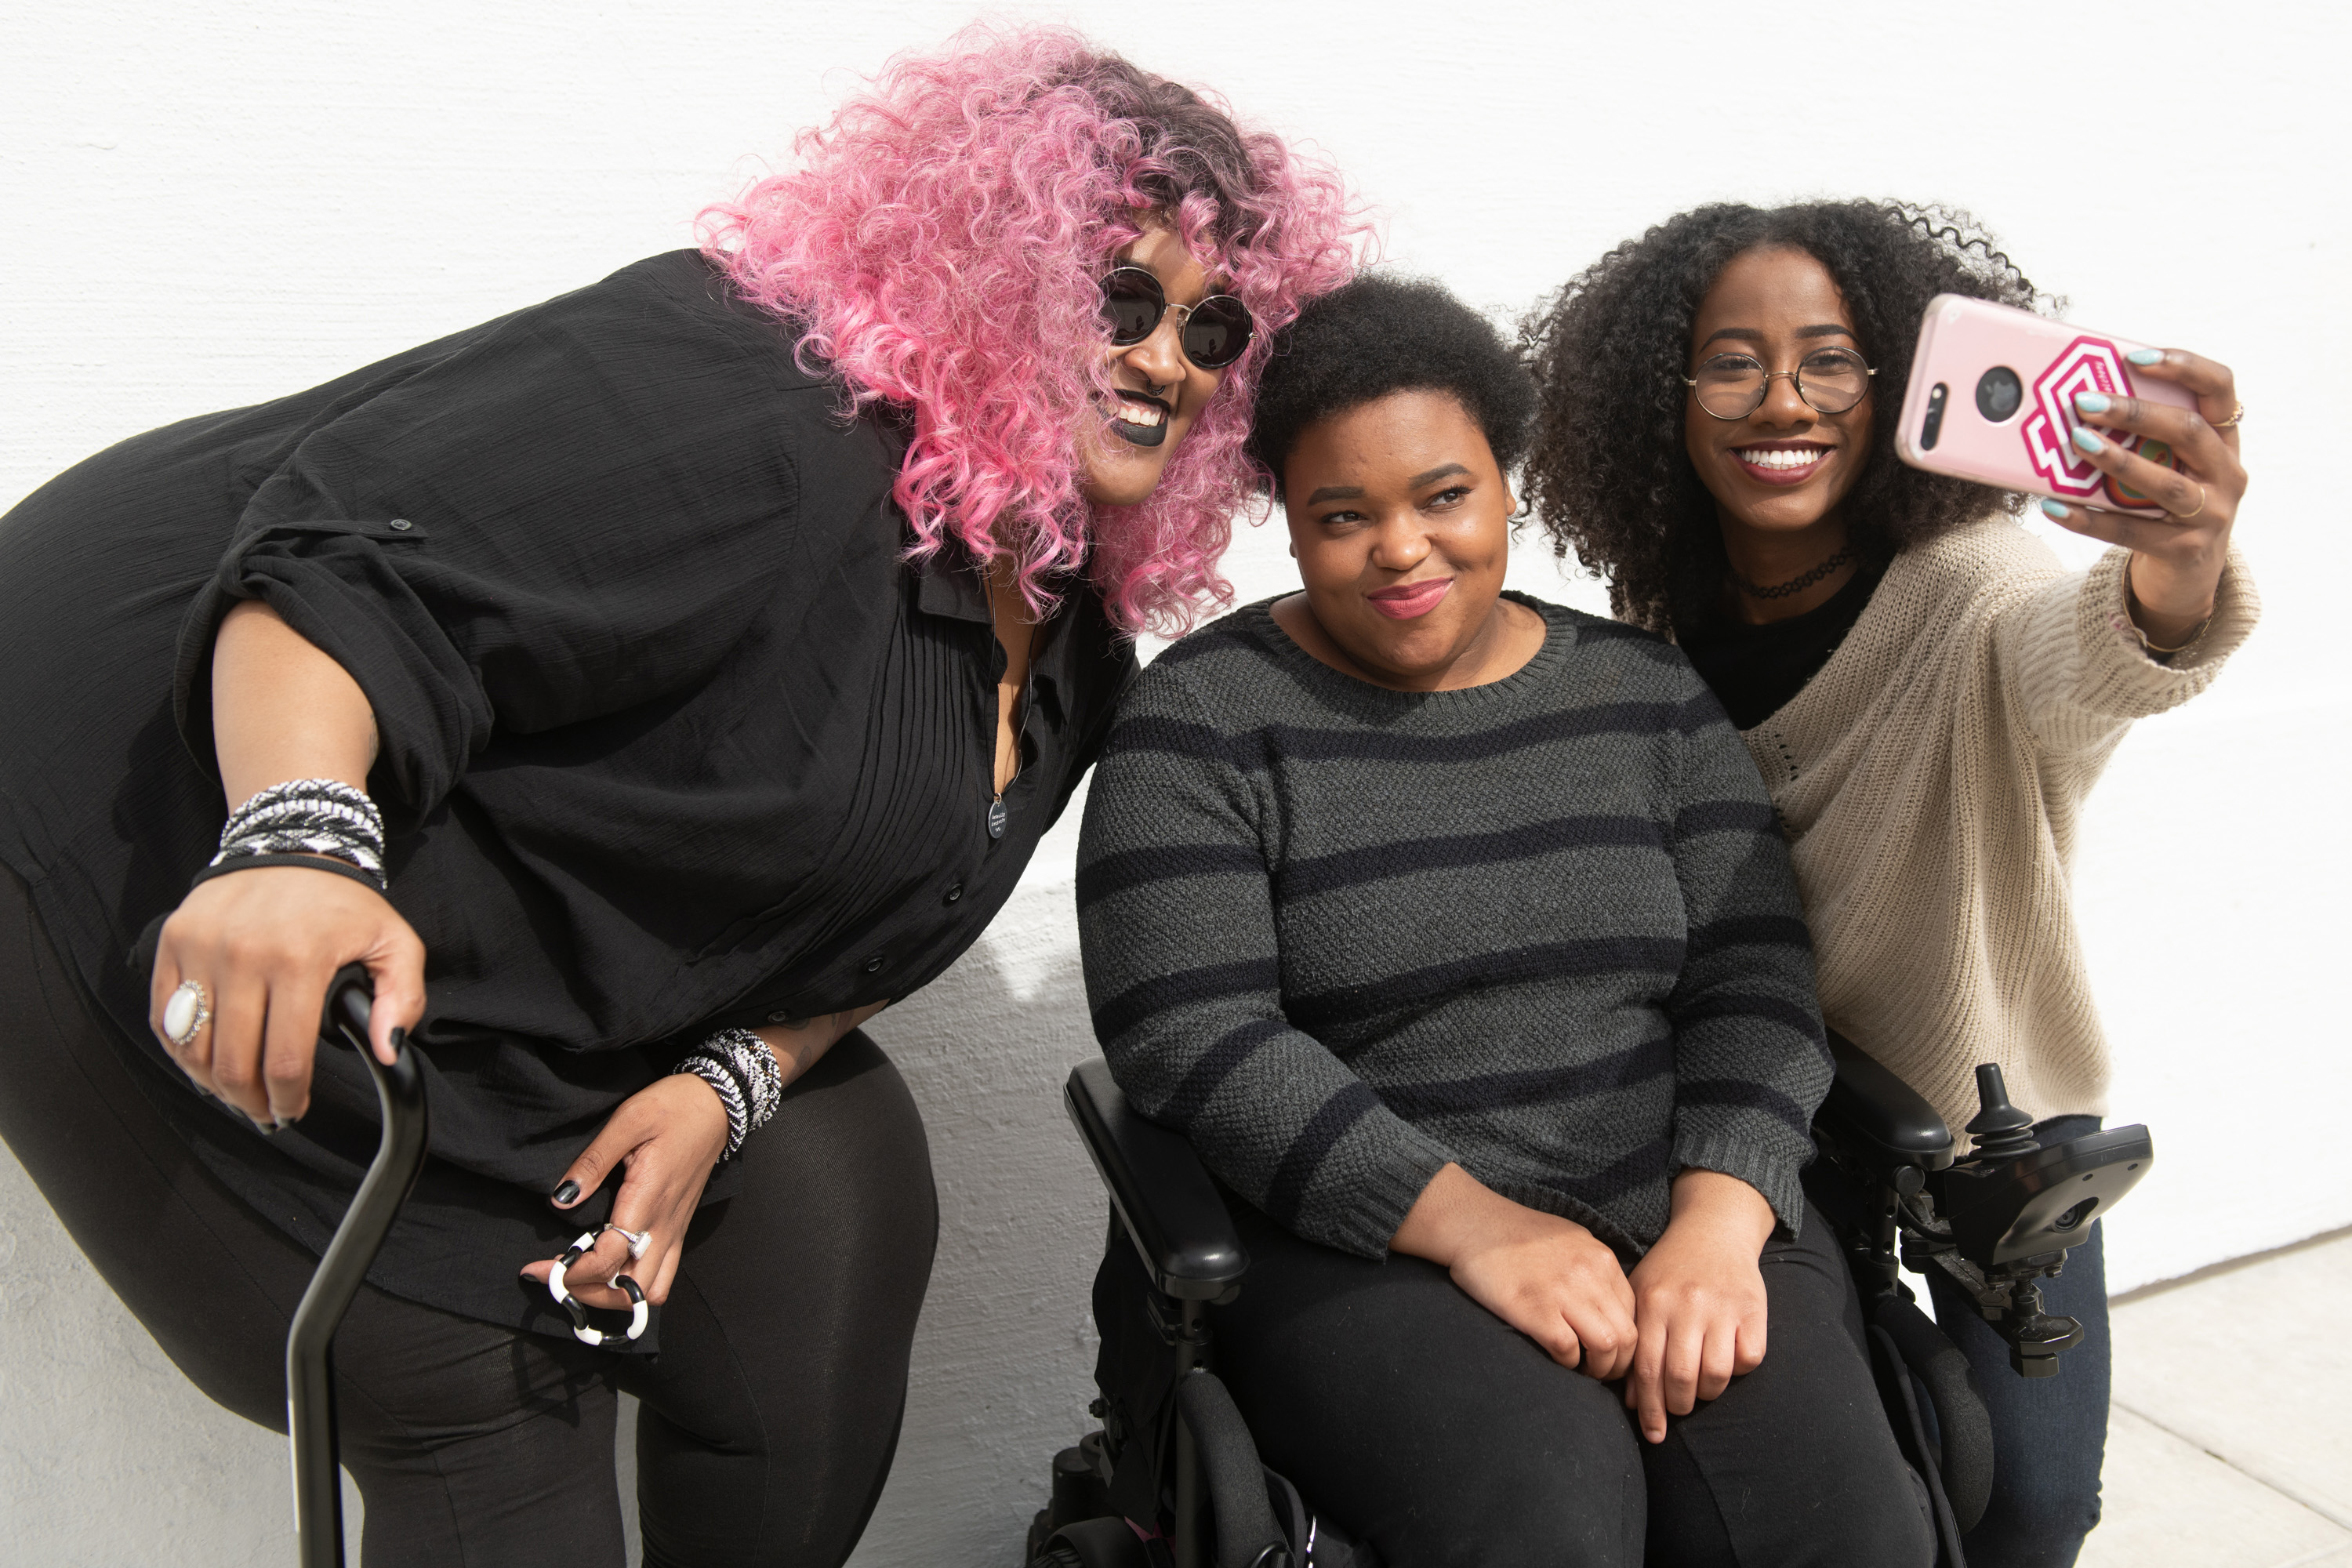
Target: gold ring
2231, 422
2185, 516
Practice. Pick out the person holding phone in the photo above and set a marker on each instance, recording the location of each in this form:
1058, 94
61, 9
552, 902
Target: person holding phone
1454, 929
1928, 695
647, 687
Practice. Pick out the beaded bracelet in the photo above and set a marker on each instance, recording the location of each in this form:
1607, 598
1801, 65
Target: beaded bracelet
763, 1080
741, 1070
721, 1080
322, 817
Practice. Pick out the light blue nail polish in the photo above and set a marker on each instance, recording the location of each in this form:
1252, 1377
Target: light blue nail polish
2092, 403
2056, 509
2088, 442
2146, 356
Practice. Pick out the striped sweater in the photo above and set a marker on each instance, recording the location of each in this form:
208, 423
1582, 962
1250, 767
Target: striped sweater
1544, 928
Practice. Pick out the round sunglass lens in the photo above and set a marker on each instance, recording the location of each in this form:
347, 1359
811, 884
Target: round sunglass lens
1217, 331
1132, 304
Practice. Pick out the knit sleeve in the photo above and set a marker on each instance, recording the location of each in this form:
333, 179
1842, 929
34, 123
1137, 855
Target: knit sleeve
2080, 668
1751, 1060
1184, 978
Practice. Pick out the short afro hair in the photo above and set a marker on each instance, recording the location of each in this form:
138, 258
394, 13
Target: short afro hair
1609, 476
1382, 334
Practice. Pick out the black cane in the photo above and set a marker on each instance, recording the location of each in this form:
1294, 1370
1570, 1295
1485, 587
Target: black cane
310, 1343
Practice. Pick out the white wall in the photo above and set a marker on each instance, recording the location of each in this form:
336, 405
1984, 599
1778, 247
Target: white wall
203, 206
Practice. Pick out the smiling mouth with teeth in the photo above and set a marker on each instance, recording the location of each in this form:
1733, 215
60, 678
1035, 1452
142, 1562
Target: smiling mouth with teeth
1141, 419
1781, 462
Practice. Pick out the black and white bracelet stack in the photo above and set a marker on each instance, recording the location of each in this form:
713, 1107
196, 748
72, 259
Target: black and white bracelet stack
324, 823
741, 1070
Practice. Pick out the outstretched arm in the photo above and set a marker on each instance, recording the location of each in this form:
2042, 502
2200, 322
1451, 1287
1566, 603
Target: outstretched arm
2178, 556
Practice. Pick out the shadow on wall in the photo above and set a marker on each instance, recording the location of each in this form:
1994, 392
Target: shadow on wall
1004, 1356
108, 1454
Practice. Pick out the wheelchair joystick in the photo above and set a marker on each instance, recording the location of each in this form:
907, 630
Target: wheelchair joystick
1997, 1220
2035, 1337
2014, 1207
2000, 1130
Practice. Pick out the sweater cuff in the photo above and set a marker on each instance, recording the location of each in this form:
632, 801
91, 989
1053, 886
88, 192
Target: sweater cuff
1387, 1180
2125, 678
1773, 1175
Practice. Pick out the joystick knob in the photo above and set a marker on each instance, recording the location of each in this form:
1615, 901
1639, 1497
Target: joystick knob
1999, 1131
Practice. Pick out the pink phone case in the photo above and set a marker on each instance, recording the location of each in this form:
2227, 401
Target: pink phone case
1992, 399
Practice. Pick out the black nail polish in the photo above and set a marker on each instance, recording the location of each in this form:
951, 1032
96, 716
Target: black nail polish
567, 1192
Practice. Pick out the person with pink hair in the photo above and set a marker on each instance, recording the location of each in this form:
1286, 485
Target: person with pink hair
646, 688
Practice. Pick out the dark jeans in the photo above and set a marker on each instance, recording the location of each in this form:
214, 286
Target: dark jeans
1424, 1423
768, 1421
2049, 1435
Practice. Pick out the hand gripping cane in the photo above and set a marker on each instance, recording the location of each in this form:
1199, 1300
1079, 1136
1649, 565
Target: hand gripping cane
310, 1343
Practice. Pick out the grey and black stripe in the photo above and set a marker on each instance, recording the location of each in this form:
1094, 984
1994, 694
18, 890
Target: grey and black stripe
1546, 928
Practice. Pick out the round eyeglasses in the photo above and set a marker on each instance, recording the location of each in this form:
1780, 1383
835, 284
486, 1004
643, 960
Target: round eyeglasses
1214, 332
1732, 386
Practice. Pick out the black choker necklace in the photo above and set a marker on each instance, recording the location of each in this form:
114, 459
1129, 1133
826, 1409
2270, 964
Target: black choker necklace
1795, 584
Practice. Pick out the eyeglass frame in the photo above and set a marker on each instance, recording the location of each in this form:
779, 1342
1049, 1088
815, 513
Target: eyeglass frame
1764, 390
1166, 305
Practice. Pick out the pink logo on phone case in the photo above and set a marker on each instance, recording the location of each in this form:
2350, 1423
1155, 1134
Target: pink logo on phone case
2089, 365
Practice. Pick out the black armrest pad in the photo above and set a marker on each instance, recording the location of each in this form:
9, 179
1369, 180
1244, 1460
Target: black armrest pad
1877, 1115
1161, 1189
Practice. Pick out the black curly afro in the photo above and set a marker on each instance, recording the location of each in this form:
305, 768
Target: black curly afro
1610, 478
1380, 334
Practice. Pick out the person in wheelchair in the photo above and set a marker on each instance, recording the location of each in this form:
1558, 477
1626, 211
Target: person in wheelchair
1455, 932
1928, 695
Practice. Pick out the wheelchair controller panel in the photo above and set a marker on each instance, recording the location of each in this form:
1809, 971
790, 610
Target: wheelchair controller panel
1998, 1220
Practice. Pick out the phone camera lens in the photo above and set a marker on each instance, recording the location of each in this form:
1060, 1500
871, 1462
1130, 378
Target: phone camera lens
1931, 427
1999, 393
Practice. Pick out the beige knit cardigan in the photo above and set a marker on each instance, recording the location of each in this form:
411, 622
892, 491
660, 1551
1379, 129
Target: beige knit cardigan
1929, 779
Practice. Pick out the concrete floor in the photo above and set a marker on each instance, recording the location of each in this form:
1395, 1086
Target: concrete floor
2230, 1445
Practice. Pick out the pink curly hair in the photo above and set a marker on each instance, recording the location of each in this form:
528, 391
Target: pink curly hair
940, 246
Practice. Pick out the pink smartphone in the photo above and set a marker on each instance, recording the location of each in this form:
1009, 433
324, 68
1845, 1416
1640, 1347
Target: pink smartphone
1992, 399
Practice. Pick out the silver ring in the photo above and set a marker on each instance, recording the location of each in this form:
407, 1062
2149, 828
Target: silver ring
184, 1013
639, 1240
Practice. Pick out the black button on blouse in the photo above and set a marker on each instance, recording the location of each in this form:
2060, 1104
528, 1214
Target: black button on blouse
672, 735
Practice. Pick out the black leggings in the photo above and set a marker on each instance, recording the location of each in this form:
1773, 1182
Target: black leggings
768, 1420
1425, 1425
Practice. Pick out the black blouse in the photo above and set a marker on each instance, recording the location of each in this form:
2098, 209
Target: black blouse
672, 736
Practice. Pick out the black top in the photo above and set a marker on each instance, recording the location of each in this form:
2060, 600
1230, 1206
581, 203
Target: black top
1755, 670
671, 736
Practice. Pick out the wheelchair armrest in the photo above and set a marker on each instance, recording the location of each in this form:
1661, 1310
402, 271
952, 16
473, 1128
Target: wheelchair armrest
1878, 1115
1162, 1193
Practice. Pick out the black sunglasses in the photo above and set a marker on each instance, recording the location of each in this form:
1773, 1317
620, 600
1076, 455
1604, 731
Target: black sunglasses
1214, 332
